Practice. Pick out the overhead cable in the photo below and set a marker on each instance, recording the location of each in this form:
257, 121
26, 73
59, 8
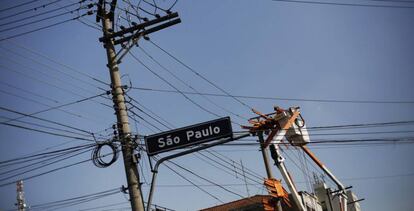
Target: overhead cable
194, 184
200, 76
279, 98
19, 171
28, 10
27, 99
51, 171
347, 4
59, 63
47, 127
31, 115
170, 126
81, 198
205, 179
19, 5
189, 86
171, 85
41, 155
38, 14
44, 27
41, 20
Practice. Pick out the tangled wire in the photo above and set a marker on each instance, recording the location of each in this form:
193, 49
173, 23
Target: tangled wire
97, 157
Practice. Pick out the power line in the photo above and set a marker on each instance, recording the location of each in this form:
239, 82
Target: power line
52, 85
46, 132
155, 119
41, 20
393, 1
150, 111
363, 125
222, 158
243, 184
29, 92
41, 102
355, 126
143, 125
40, 155
51, 171
194, 184
38, 14
19, 5
278, 98
48, 67
43, 82
188, 85
140, 117
205, 179
31, 115
171, 85
37, 102
346, 4
47, 162
75, 200
362, 133
380, 177
44, 126
60, 64
28, 10
358, 142
44, 27
200, 76
225, 168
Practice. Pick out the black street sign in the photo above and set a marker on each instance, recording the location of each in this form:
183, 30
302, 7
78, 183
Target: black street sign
190, 135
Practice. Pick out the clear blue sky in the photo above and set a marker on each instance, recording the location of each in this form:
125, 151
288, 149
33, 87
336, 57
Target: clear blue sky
255, 48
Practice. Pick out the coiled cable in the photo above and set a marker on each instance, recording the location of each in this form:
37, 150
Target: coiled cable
97, 157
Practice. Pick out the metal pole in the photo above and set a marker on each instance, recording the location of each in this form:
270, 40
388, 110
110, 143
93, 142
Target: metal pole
155, 171
341, 187
124, 131
279, 162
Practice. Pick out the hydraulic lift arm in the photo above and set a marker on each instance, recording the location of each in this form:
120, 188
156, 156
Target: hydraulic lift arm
284, 124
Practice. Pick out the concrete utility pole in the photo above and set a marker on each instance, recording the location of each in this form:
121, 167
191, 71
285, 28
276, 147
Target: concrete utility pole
21, 204
131, 169
127, 37
265, 155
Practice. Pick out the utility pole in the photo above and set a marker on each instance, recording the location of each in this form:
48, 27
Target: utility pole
265, 155
127, 37
131, 169
21, 204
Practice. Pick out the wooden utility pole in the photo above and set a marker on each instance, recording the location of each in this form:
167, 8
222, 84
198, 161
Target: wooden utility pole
131, 169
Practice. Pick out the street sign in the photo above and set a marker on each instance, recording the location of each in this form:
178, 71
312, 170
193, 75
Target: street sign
190, 135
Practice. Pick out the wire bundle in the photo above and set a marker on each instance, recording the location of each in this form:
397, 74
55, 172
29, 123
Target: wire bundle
97, 157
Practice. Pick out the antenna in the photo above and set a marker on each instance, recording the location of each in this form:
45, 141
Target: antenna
21, 204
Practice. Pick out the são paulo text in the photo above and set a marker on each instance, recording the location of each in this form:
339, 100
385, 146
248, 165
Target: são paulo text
202, 133
190, 135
